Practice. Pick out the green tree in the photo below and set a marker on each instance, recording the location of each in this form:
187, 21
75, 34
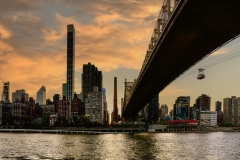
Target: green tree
45, 119
8, 119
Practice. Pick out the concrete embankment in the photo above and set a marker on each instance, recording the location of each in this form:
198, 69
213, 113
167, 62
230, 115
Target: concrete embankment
91, 131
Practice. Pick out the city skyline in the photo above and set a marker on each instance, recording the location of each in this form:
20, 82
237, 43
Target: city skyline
115, 40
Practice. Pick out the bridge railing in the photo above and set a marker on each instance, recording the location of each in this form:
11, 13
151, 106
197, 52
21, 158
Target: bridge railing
164, 16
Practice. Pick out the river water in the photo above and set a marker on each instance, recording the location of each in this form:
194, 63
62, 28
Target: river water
215, 145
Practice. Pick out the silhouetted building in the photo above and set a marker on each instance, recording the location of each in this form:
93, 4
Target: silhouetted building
218, 106
90, 77
115, 107
171, 114
6, 116
203, 102
76, 107
31, 100
181, 108
191, 113
19, 94
220, 117
122, 101
56, 98
70, 62
48, 101
164, 110
1, 115
105, 109
231, 111
64, 89
153, 108
19, 112
160, 114
64, 109
5, 92
41, 96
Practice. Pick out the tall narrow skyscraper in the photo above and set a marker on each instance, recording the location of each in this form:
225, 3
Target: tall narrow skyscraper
115, 108
70, 62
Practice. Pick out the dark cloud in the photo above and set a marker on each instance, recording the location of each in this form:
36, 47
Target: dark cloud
10, 6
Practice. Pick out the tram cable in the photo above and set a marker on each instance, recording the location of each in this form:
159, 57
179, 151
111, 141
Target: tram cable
214, 61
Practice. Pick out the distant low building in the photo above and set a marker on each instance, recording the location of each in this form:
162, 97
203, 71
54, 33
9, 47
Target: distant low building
208, 118
53, 119
50, 108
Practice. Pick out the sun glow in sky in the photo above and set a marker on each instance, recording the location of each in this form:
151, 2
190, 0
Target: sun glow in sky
111, 34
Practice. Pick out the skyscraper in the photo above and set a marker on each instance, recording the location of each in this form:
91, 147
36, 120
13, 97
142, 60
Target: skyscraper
203, 102
64, 89
218, 106
5, 93
70, 62
41, 96
181, 108
115, 107
19, 95
231, 110
153, 109
90, 77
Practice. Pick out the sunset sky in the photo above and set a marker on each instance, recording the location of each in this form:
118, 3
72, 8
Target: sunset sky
111, 34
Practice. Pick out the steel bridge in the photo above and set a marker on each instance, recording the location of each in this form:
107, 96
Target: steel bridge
186, 32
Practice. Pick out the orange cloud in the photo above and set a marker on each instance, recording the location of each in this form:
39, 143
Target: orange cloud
174, 91
5, 33
5, 47
52, 35
108, 34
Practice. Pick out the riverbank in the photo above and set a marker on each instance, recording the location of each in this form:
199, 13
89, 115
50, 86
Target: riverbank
92, 131
65, 131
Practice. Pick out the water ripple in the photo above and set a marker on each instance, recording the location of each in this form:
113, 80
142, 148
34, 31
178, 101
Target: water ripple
200, 146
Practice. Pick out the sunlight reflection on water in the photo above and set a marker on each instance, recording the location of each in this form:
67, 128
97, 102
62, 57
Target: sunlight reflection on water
218, 145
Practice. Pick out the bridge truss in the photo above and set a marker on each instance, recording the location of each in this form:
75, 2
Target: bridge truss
164, 15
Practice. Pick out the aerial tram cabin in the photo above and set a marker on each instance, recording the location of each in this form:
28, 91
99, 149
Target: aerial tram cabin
200, 74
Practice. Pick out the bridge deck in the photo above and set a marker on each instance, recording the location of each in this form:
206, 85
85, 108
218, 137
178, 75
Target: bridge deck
200, 27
